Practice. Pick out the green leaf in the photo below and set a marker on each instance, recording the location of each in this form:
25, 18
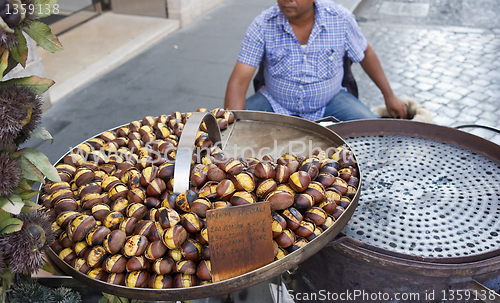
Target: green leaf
10, 225
8, 277
49, 268
4, 215
13, 204
42, 163
107, 298
15, 155
37, 84
20, 51
43, 134
29, 206
41, 33
12, 64
28, 194
42, 10
24, 185
4, 61
30, 172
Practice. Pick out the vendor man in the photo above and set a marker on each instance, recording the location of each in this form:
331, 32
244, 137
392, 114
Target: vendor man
302, 44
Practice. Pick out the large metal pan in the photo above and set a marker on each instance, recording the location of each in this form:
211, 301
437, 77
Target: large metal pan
252, 130
428, 218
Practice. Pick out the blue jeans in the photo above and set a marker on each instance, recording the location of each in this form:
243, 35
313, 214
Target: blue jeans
344, 106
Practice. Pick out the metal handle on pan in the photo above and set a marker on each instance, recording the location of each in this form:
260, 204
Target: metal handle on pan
327, 121
185, 148
480, 126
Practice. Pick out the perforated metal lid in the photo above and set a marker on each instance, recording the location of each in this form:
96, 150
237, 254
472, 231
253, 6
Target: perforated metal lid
425, 198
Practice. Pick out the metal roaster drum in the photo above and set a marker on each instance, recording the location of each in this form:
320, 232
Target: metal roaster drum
428, 219
251, 131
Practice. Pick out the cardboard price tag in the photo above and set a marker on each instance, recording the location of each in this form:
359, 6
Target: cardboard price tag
241, 239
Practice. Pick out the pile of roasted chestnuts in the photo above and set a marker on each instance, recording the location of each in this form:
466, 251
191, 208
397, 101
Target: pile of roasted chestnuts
117, 219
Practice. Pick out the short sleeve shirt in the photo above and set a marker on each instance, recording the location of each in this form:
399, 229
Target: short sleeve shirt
301, 80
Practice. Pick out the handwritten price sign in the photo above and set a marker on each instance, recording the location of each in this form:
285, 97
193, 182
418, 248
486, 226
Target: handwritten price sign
240, 239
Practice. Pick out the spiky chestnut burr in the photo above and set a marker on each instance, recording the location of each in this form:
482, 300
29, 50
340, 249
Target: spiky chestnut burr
23, 248
20, 114
10, 174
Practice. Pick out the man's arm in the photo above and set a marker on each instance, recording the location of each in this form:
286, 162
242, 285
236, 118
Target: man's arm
237, 86
372, 67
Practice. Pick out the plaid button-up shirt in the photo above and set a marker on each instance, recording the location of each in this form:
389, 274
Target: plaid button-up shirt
301, 80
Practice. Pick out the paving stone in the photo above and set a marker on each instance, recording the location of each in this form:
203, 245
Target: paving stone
478, 96
443, 120
432, 106
475, 88
422, 72
472, 111
409, 75
439, 69
435, 75
424, 95
445, 86
427, 80
486, 106
423, 86
471, 72
439, 91
450, 112
441, 100
453, 96
461, 90
481, 82
490, 116
409, 82
469, 102
465, 118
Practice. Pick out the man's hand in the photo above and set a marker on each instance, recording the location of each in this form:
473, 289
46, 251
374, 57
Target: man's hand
396, 107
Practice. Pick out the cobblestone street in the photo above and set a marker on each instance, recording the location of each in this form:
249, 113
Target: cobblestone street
453, 71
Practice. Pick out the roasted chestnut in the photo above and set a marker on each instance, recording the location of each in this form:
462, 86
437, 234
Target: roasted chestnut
280, 199
183, 280
137, 263
292, 217
115, 264
191, 222
80, 226
243, 198
299, 181
155, 250
265, 187
303, 201
173, 237
163, 266
135, 246
160, 282
114, 241
96, 256
137, 279
316, 215
96, 235
191, 250
204, 270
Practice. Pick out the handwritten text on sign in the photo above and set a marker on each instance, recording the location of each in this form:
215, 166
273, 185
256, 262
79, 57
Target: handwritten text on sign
240, 239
